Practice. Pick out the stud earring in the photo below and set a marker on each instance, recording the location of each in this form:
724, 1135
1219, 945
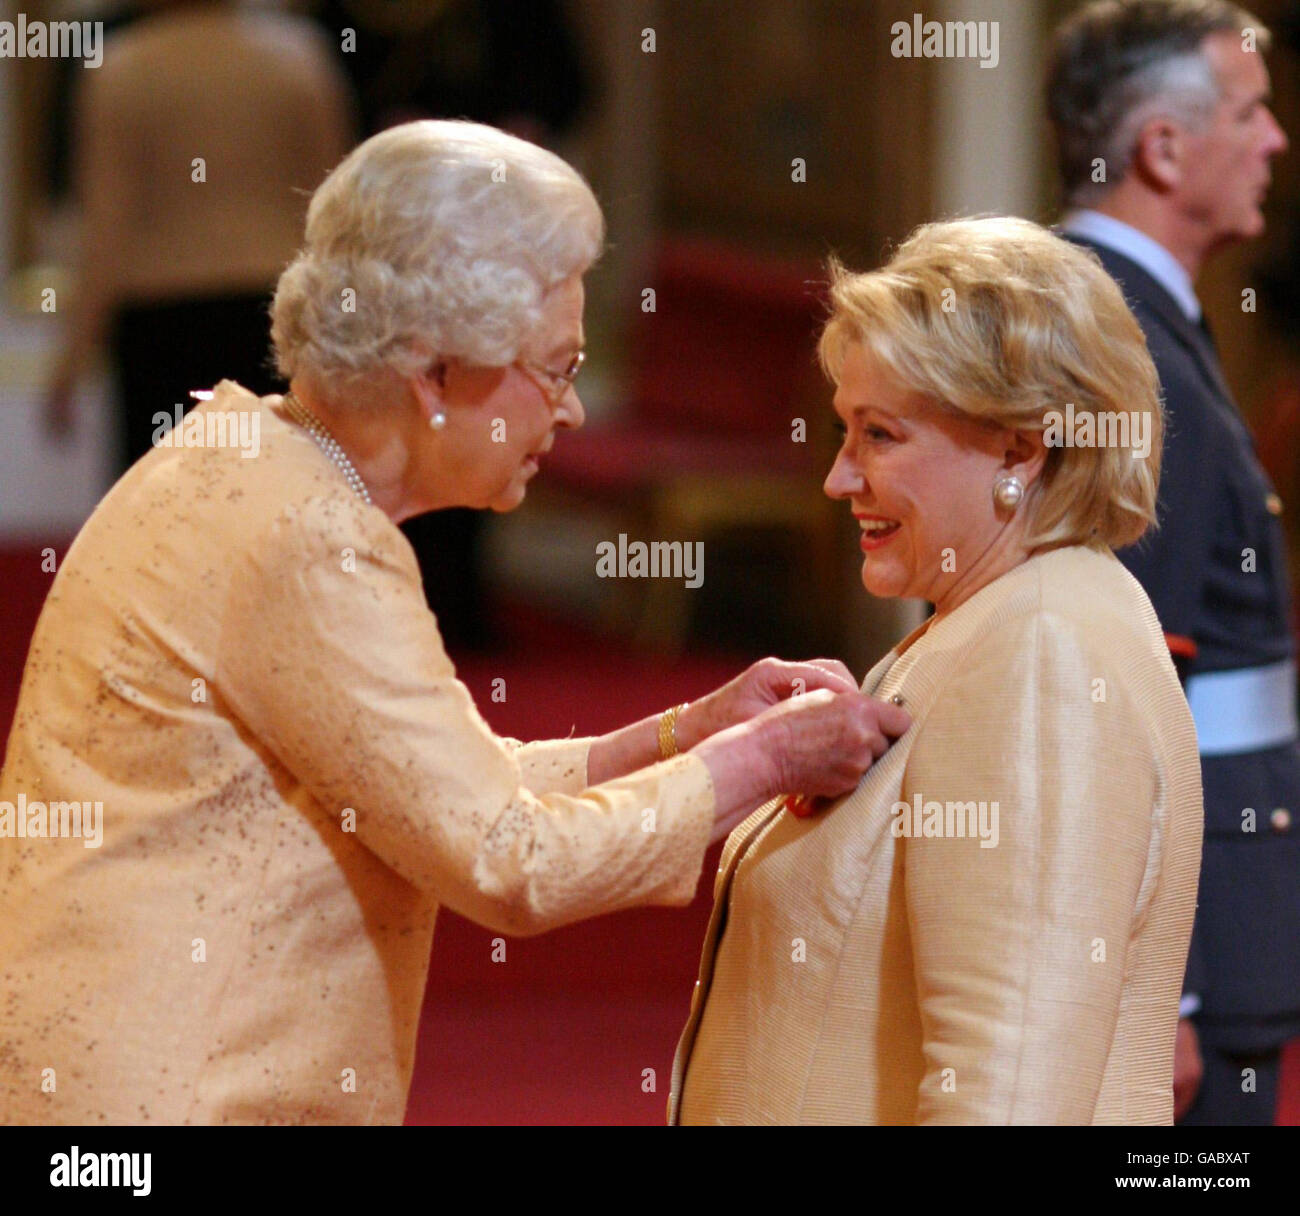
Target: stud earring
438, 420
1008, 490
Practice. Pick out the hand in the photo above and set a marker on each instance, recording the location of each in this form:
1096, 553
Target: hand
820, 743
1188, 1067
823, 742
725, 710
758, 688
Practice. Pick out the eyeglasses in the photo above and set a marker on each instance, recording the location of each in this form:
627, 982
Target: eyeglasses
560, 382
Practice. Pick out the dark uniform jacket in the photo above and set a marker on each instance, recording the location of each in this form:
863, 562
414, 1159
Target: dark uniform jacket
1215, 504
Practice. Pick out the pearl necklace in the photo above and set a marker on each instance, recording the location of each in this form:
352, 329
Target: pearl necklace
327, 444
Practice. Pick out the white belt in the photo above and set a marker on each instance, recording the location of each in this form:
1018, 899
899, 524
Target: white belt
1245, 710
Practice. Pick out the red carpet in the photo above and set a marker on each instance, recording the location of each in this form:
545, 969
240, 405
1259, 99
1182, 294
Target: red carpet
565, 1029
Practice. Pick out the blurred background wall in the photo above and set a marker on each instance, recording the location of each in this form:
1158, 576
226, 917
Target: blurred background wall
697, 137
687, 117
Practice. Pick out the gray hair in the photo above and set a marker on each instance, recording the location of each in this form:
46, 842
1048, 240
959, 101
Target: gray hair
1116, 64
431, 239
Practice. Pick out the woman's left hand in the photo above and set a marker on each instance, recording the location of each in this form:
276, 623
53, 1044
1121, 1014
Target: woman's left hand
759, 687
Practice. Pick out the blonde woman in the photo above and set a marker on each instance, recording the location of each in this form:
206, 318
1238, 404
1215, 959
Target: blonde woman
993, 927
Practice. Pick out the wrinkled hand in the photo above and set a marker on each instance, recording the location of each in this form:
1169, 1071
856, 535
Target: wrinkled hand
823, 742
1188, 1067
819, 743
761, 686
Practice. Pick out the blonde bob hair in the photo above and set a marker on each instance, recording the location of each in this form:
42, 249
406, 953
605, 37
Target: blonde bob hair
431, 239
1001, 321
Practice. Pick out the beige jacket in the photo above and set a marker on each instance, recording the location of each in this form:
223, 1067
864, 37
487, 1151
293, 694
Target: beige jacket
237, 661
198, 142
859, 968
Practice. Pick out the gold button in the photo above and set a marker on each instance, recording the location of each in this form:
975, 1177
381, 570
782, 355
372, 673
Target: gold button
1273, 504
1280, 819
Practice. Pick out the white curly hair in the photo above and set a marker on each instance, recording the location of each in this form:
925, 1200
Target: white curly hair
431, 239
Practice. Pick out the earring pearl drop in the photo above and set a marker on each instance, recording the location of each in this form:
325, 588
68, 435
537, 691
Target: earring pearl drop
438, 420
1008, 491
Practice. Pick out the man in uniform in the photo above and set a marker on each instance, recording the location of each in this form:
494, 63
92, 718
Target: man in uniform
1160, 109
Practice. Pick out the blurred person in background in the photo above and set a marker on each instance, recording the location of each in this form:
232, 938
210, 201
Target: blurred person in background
1165, 140
993, 927
236, 664
196, 143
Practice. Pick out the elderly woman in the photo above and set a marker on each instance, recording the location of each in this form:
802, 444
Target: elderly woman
277, 776
993, 928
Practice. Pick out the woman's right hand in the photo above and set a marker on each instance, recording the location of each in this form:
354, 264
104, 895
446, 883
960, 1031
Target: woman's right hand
818, 744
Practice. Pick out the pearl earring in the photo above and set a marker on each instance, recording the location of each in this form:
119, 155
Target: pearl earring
1008, 490
438, 421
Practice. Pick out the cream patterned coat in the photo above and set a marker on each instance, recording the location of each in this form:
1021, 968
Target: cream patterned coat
237, 660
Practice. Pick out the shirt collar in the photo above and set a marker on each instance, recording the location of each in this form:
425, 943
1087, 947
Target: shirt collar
1152, 256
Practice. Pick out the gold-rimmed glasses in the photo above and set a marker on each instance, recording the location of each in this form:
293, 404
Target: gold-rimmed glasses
560, 382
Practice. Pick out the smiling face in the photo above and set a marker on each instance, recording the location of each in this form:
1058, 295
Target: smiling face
501, 421
1228, 163
920, 482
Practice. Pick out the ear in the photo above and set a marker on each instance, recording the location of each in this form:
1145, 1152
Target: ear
1024, 455
429, 388
1159, 156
